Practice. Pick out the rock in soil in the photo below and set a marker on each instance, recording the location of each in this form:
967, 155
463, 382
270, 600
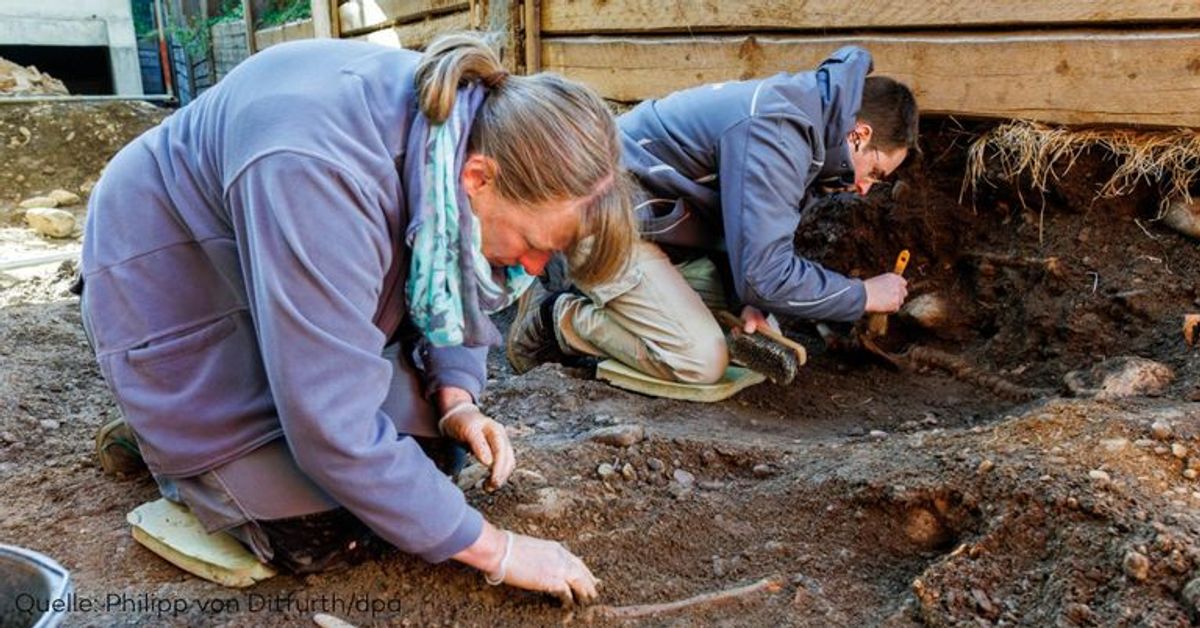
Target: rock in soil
927, 310
1126, 376
53, 223
1136, 565
685, 479
63, 198
1184, 217
549, 503
618, 435
38, 201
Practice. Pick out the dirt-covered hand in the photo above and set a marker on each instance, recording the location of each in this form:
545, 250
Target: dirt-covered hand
487, 440
541, 565
885, 293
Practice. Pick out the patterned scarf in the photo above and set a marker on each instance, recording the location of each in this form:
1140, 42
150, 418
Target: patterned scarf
451, 286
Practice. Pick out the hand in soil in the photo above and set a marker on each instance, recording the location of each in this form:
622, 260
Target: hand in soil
885, 293
753, 318
487, 440
547, 566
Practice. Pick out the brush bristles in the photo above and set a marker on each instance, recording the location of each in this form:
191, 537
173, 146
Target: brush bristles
761, 354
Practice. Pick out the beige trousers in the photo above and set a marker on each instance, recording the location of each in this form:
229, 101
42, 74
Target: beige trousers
656, 317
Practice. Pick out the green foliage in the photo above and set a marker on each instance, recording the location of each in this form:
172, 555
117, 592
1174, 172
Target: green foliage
282, 12
195, 35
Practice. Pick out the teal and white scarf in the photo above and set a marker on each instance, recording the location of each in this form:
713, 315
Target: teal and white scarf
451, 287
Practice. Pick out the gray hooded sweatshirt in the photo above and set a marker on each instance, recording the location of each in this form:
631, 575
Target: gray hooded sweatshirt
244, 268
732, 166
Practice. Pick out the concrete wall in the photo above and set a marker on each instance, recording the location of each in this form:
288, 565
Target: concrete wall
77, 23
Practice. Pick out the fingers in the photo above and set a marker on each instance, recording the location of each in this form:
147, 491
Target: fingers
582, 582
501, 448
479, 447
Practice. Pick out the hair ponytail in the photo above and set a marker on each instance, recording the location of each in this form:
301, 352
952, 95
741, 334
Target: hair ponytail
552, 139
446, 64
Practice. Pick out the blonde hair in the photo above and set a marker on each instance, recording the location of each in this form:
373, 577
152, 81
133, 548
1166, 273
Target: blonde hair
551, 138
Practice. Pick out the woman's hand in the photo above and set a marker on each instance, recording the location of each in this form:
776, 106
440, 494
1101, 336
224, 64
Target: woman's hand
484, 436
753, 319
531, 563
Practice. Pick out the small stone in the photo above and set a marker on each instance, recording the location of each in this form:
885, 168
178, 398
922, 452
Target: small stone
711, 485
1179, 450
48, 424
718, 567
63, 198
685, 479
1162, 450
37, 201
985, 466
1099, 476
654, 464
1160, 430
618, 435
1190, 473
877, 434
762, 471
1136, 565
549, 503
679, 492
527, 478
7, 438
1081, 614
1143, 443
1121, 377
1114, 445
708, 457
87, 186
1191, 597
774, 546
606, 471
927, 310
472, 476
1183, 217
54, 223
628, 472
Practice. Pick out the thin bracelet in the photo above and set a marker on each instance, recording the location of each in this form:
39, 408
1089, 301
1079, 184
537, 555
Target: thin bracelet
455, 409
503, 570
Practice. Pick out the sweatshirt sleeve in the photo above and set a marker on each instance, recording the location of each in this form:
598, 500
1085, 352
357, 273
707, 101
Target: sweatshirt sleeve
453, 367
764, 170
314, 249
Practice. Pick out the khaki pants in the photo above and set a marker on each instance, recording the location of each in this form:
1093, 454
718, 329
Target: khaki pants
655, 318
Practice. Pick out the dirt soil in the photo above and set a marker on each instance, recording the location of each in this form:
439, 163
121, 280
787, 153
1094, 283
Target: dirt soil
872, 496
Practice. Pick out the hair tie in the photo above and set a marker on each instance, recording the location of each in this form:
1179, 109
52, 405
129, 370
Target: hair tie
496, 79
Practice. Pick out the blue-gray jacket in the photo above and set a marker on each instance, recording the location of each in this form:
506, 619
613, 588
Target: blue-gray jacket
733, 165
244, 268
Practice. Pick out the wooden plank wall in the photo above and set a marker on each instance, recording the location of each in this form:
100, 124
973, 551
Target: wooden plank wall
1078, 62
407, 23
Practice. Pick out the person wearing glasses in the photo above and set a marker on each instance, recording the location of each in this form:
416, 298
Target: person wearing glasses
726, 172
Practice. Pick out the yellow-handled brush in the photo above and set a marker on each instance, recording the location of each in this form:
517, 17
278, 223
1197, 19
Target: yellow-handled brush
877, 324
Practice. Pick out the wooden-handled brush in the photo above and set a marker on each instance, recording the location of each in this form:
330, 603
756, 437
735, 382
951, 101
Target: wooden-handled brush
766, 350
877, 324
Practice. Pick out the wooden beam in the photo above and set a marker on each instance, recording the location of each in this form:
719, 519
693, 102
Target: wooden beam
360, 16
690, 16
300, 29
322, 18
248, 15
1072, 77
418, 34
533, 45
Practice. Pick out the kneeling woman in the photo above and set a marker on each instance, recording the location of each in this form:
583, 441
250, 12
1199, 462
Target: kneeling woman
287, 285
